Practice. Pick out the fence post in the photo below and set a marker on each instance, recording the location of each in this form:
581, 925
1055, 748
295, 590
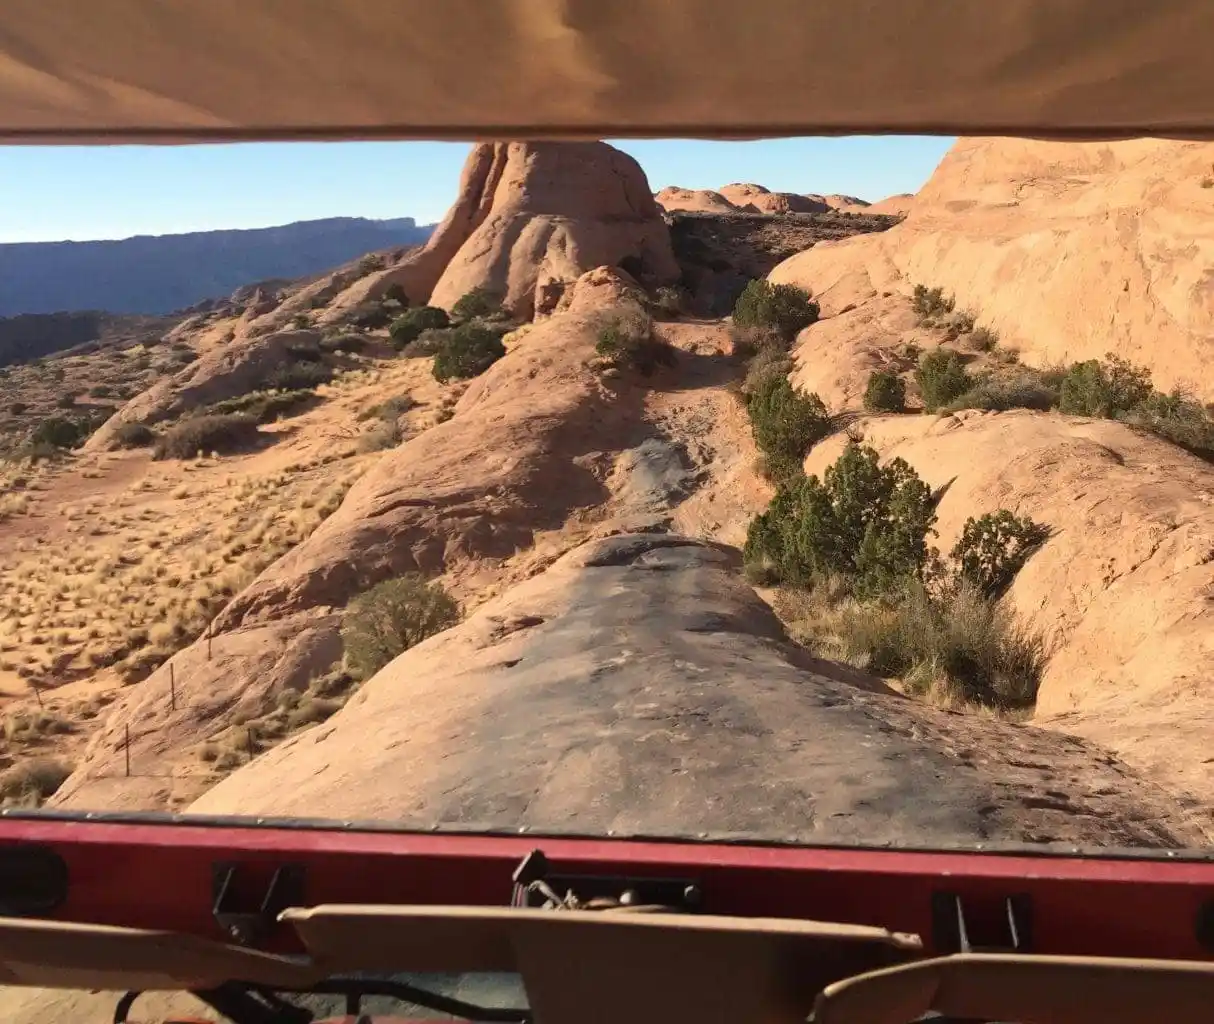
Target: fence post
127, 747
37, 691
252, 753
172, 688
208, 643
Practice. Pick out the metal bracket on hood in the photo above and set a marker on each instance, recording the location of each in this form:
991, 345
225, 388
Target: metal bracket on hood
535, 885
246, 924
953, 932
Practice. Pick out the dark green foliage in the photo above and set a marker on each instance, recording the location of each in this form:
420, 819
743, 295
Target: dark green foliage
370, 316
298, 376
1026, 389
392, 617
931, 303
478, 303
408, 327
266, 406
994, 547
864, 522
206, 433
66, 402
784, 307
467, 351
629, 341
941, 377
17, 408
785, 423
301, 321
101, 391
59, 432
134, 435
395, 293
885, 392
1104, 389
344, 343
428, 342
1176, 418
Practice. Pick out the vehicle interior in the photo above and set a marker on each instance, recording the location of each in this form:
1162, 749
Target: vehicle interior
145, 71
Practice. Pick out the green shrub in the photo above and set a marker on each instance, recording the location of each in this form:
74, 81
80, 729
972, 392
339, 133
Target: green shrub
942, 378
344, 343
1106, 389
748, 342
299, 376
134, 435
66, 402
1026, 390
629, 341
478, 303
265, 406
467, 351
1177, 418
428, 342
885, 392
206, 433
392, 617
395, 293
369, 315
59, 432
784, 307
409, 325
769, 362
389, 410
931, 304
101, 391
17, 408
993, 548
863, 522
785, 424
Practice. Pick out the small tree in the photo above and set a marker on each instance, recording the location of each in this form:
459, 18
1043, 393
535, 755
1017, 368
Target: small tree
994, 547
783, 306
409, 325
886, 392
479, 302
941, 377
134, 435
785, 423
1104, 390
864, 522
467, 351
392, 617
59, 432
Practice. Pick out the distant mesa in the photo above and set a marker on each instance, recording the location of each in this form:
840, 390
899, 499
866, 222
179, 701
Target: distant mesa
159, 274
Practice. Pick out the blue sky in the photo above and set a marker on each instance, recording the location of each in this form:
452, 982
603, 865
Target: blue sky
61, 192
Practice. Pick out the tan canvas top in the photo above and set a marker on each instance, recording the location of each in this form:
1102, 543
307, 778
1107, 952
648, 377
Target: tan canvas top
179, 70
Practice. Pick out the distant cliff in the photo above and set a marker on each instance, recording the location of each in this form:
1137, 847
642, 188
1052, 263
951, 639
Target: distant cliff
162, 273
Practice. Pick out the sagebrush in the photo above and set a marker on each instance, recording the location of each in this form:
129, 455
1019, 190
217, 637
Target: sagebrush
392, 617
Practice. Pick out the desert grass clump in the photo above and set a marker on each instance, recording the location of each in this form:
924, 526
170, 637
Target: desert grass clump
225, 433
31, 783
392, 617
134, 435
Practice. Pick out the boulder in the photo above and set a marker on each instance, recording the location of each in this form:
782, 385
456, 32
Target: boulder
1068, 251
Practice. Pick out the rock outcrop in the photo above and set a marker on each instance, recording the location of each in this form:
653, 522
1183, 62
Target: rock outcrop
693, 200
1068, 250
639, 686
750, 198
522, 451
224, 371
